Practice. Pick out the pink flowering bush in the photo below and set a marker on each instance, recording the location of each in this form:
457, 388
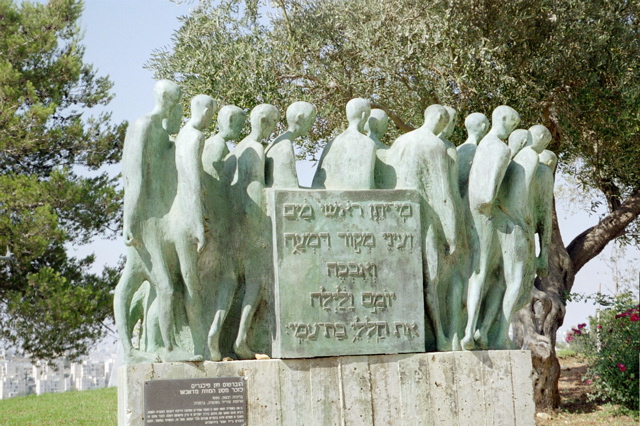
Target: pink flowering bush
611, 345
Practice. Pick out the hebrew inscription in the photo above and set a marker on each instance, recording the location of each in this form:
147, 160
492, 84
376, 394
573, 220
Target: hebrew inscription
348, 272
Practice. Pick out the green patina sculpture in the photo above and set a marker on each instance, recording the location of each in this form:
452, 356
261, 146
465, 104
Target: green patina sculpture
376, 127
477, 125
402, 248
422, 162
246, 166
280, 165
487, 171
348, 161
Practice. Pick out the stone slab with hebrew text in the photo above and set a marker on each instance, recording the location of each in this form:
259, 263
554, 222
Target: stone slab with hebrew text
348, 273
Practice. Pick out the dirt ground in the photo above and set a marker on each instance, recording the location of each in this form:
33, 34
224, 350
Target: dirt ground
577, 408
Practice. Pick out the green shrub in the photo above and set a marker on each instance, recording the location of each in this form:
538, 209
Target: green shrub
611, 344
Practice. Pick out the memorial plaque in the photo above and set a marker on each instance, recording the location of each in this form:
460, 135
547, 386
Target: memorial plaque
348, 273
206, 401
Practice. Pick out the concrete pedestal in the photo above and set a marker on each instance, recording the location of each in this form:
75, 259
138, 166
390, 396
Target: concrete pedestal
465, 388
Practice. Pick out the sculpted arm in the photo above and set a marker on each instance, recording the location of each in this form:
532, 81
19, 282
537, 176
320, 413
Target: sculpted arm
133, 176
190, 170
256, 183
445, 199
487, 172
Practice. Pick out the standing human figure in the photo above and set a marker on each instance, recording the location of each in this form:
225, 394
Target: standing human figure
384, 176
246, 164
150, 184
512, 217
231, 120
218, 269
280, 161
422, 162
455, 273
144, 305
349, 160
477, 125
487, 171
186, 221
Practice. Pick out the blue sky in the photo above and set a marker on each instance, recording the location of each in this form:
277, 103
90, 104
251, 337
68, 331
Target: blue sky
120, 36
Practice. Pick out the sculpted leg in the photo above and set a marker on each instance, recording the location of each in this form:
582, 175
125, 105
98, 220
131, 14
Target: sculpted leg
433, 282
514, 274
188, 258
249, 304
477, 280
224, 298
165, 293
455, 307
492, 305
132, 278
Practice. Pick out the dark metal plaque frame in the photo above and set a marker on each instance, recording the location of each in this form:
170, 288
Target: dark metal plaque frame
206, 401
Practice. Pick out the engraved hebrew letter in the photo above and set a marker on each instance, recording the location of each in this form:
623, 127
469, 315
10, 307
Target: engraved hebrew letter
329, 326
289, 210
341, 331
343, 270
367, 299
334, 266
368, 240
306, 211
354, 271
313, 240
357, 241
312, 334
289, 236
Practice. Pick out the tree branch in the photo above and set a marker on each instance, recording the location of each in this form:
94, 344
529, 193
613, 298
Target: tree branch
592, 241
397, 120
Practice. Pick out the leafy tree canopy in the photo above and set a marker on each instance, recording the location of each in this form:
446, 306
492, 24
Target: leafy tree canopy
50, 303
571, 65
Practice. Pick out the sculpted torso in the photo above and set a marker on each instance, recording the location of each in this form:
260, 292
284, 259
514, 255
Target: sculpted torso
487, 171
213, 154
248, 180
187, 210
280, 165
513, 196
350, 162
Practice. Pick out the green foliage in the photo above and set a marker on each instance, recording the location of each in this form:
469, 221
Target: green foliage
571, 65
50, 304
95, 407
611, 345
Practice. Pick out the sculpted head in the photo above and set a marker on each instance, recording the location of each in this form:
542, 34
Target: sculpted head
172, 123
203, 108
477, 125
541, 137
503, 121
358, 111
264, 118
549, 159
167, 94
231, 120
436, 118
300, 117
451, 125
377, 123
518, 140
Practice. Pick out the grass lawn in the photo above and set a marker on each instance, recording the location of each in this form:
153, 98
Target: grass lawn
96, 407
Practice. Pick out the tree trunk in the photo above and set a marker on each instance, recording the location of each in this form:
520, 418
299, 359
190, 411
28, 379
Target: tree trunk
535, 326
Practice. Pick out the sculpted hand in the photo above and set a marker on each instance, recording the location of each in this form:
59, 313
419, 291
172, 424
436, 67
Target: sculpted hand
129, 239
